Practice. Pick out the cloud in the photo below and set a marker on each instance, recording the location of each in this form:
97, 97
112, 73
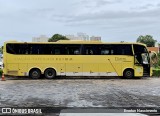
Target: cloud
158, 4
117, 13
143, 7
109, 15
98, 3
38, 12
26, 19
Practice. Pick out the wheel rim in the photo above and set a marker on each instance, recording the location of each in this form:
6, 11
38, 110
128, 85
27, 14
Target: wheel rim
128, 74
50, 74
35, 74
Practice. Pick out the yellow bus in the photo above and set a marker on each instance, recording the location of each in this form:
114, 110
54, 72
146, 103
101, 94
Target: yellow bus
76, 58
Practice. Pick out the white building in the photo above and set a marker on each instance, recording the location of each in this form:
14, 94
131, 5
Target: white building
83, 36
42, 38
95, 38
72, 37
79, 36
156, 44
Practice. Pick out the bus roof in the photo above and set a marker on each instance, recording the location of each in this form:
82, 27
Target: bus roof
75, 42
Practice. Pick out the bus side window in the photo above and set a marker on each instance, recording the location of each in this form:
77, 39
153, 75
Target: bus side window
76, 52
72, 49
103, 49
24, 49
105, 52
112, 52
10, 49
123, 49
57, 51
89, 51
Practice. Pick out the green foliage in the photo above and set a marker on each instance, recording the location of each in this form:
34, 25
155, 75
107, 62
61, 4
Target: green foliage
147, 39
155, 63
1, 71
158, 59
57, 37
156, 72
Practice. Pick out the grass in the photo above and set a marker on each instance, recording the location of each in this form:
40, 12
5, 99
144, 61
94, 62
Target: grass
156, 72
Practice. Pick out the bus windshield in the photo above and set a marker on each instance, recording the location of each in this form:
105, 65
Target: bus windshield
141, 54
145, 58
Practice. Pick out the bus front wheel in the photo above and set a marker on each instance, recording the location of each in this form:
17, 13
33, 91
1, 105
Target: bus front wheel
128, 73
35, 73
49, 73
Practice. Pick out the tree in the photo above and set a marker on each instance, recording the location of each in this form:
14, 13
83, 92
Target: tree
147, 39
57, 37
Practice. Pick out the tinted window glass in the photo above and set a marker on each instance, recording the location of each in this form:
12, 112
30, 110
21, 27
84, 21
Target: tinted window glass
113, 49
103, 49
55, 49
16, 48
139, 49
9, 49
121, 49
73, 49
90, 50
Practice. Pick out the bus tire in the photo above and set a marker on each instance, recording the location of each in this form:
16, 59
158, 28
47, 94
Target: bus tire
128, 73
50, 73
35, 73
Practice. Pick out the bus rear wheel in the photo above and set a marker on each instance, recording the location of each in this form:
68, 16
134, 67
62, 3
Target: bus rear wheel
128, 73
50, 73
35, 73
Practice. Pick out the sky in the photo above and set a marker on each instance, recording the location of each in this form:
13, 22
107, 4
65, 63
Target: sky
113, 20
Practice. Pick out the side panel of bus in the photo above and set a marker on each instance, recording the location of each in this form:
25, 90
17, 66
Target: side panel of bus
19, 65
